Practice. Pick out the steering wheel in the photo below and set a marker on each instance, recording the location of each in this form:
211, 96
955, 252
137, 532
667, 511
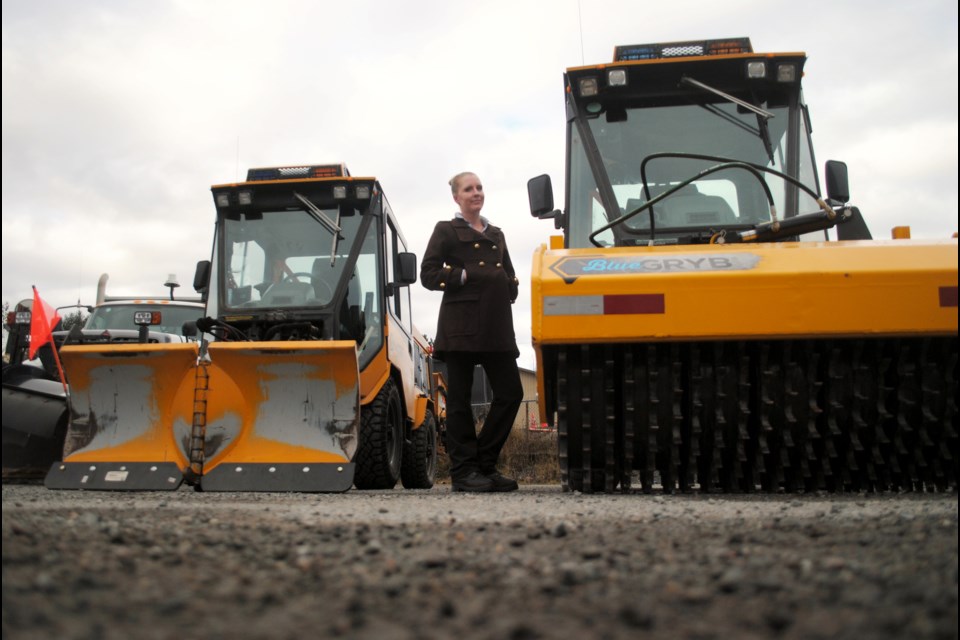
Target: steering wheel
292, 277
324, 286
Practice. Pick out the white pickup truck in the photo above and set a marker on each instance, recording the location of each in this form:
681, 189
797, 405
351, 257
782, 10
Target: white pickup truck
35, 410
125, 318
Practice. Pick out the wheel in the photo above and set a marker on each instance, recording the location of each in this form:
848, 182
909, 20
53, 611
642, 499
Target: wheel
419, 465
380, 448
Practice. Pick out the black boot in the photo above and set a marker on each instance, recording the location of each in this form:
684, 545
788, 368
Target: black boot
475, 482
502, 482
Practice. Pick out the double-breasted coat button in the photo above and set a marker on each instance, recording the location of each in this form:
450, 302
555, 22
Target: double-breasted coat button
443, 285
482, 263
499, 264
476, 245
494, 247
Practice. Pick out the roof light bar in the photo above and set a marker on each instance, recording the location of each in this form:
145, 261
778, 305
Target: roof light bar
689, 48
298, 172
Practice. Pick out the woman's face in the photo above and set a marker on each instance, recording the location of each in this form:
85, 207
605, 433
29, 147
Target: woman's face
469, 194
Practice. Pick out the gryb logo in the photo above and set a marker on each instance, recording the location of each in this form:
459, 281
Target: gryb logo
571, 268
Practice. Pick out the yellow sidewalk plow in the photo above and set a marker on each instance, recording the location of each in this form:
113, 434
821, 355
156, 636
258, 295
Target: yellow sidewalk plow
248, 416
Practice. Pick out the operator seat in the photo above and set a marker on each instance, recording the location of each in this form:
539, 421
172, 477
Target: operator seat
351, 319
642, 219
321, 276
352, 322
688, 207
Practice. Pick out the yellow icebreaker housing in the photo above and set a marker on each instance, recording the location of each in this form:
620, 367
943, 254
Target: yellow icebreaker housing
315, 380
709, 321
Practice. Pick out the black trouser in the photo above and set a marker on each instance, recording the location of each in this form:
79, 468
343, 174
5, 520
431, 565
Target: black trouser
469, 451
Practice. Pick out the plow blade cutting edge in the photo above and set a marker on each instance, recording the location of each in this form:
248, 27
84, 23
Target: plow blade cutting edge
269, 416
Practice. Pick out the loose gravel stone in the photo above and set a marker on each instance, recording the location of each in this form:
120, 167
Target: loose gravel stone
536, 563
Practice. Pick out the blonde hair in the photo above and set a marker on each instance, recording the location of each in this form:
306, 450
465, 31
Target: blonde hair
455, 180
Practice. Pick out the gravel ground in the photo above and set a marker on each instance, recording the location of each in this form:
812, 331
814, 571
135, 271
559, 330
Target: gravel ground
430, 564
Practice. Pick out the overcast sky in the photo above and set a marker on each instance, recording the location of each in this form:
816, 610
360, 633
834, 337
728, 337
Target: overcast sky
119, 115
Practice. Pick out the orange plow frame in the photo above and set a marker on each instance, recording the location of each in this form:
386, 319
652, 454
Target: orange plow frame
267, 416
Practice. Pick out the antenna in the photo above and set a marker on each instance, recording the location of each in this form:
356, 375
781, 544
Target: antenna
580, 18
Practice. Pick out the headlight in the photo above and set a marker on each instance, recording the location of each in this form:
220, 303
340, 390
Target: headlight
757, 69
617, 78
786, 73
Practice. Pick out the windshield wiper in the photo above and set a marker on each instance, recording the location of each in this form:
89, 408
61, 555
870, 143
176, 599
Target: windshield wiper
336, 241
317, 214
762, 114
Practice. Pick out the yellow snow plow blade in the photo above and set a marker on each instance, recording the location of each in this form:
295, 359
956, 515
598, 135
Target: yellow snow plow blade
130, 420
281, 416
253, 416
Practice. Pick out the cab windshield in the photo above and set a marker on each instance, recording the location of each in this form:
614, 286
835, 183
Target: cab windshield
113, 316
292, 258
642, 149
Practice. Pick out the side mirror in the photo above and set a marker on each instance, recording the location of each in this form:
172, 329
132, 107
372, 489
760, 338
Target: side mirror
201, 278
406, 268
75, 336
838, 187
540, 193
189, 329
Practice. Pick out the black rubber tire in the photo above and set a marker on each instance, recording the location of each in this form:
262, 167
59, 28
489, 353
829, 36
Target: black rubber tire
380, 450
419, 466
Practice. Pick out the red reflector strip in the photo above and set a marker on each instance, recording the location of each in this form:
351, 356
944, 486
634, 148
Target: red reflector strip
636, 303
948, 296
613, 305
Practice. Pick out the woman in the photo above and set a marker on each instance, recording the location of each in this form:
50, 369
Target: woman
467, 260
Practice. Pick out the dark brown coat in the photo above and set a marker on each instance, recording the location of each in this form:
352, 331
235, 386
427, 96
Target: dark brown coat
476, 315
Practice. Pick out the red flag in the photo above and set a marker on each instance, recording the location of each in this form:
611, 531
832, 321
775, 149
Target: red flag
43, 318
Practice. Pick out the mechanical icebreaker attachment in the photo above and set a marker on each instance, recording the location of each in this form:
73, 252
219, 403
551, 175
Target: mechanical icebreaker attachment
708, 320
